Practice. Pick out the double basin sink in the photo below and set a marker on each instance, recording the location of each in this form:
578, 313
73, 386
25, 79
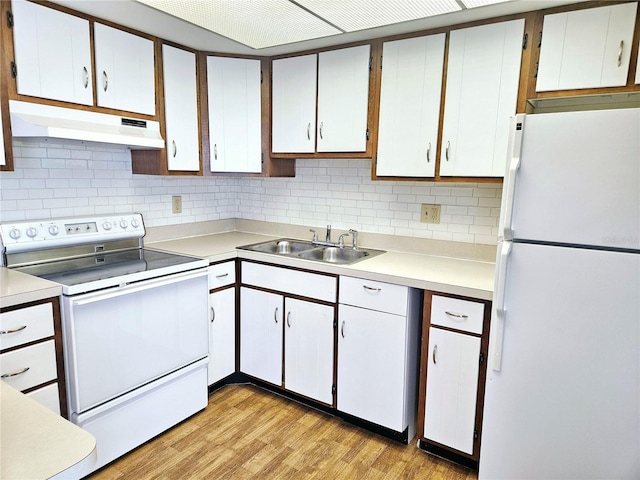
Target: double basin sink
310, 251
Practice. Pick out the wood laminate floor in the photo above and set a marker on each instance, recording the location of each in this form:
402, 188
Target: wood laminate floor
247, 432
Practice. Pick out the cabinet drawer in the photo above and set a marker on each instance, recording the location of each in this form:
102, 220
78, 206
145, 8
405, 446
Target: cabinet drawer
384, 297
306, 284
39, 359
25, 325
47, 396
456, 313
222, 274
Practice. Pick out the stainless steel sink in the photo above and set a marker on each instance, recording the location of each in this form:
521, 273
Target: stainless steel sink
309, 251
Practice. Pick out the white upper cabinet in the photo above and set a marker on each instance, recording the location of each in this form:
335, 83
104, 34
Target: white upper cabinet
52, 54
181, 109
3, 160
235, 138
293, 96
343, 99
339, 79
125, 70
410, 106
483, 74
586, 48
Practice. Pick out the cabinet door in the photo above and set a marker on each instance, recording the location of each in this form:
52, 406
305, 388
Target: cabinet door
483, 73
235, 136
452, 388
222, 334
3, 159
371, 352
261, 316
638, 69
181, 109
308, 365
586, 48
125, 70
343, 99
52, 54
293, 91
410, 106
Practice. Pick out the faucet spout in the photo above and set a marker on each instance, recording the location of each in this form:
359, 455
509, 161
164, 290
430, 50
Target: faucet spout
328, 238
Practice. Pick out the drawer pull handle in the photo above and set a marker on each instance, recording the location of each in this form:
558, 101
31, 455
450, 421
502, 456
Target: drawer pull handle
433, 355
342, 329
15, 374
13, 330
457, 315
222, 275
213, 314
373, 289
289, 319
275, 315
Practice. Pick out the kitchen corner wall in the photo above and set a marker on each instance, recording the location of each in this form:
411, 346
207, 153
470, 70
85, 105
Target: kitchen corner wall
55, 179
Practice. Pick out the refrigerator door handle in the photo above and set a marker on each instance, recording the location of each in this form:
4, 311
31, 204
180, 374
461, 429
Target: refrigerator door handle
515, 147
497, 329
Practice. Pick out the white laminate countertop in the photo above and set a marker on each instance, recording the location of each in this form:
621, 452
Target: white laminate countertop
17, 288
36, 443
468, 278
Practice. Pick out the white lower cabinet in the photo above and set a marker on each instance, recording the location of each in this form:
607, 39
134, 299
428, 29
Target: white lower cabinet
377, 352
453, 370
308, 349
222, 321
261, 334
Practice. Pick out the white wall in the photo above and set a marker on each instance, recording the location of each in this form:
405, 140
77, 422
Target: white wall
53, 179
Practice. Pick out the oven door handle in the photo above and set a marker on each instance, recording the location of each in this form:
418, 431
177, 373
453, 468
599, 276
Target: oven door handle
138, 287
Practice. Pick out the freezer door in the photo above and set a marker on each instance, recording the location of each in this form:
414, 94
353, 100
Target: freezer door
577, 179
566, 402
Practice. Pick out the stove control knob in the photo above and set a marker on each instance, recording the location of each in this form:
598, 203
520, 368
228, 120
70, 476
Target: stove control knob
124, 223
135, 223
107, 226
54, 230
15, 233
32, 232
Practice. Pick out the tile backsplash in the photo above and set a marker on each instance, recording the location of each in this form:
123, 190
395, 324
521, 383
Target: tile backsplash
54, 179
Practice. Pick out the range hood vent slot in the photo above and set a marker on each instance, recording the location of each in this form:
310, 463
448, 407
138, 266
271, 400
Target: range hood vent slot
47, 121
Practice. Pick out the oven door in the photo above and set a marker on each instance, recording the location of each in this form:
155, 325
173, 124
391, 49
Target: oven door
121, 338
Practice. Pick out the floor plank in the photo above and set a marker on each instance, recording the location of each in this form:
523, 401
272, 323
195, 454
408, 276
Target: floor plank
246, 432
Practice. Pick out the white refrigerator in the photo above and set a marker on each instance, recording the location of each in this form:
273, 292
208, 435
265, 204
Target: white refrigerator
563, 382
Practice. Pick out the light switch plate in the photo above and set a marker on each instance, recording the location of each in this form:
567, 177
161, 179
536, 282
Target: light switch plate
430, 213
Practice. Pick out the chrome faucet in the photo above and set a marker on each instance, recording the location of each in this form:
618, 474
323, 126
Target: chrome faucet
341, 240
354, 235
328, 238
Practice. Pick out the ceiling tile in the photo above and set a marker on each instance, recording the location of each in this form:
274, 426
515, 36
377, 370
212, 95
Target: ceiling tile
255, 23
362, 14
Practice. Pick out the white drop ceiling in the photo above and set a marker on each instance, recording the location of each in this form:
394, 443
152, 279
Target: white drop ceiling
276, 27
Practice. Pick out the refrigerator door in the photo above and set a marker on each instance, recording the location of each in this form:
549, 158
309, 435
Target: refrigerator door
566, 402
577, 179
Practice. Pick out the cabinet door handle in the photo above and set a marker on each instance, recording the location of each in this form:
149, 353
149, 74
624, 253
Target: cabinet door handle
13, 330
321, 125
175, 148
86, 76
15, 374
434, 353
215, 151
446, 152
308, 131
105, 81
429, 153
222, 275
373, 289
457, 315
620, 53
342, 329
289, 319
275, 315
213, 314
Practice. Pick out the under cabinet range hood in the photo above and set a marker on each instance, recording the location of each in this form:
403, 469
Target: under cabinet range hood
47, 121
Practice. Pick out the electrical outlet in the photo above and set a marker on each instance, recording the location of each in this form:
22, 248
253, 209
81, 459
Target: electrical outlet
176, 204
430, 213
